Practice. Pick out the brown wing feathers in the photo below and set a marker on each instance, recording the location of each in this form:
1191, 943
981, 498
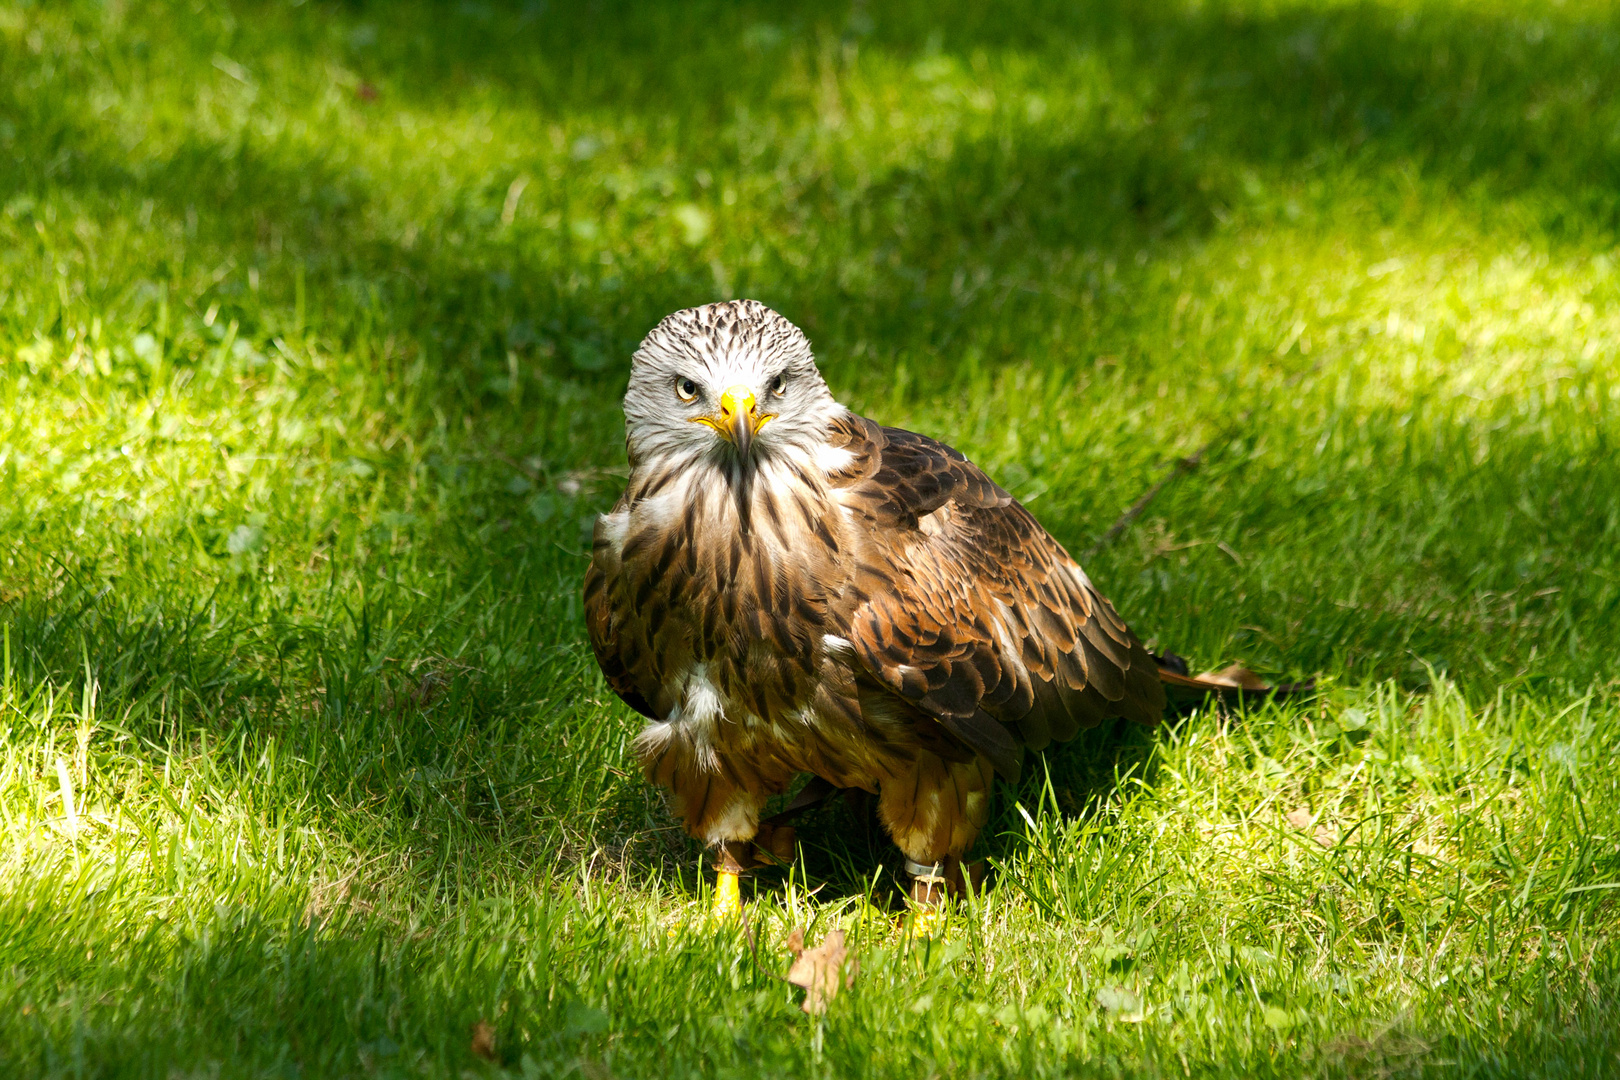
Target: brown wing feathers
973, 613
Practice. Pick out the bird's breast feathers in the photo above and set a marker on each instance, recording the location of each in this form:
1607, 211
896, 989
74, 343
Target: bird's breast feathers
723, 587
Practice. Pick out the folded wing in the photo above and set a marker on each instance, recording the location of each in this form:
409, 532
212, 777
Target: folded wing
972, 613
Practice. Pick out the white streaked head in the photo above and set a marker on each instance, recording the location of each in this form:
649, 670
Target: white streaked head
725, 381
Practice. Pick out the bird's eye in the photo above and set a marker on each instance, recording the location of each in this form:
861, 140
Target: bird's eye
779, 385
685, 389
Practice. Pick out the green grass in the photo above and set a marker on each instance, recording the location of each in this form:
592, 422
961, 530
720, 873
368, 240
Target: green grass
313, 323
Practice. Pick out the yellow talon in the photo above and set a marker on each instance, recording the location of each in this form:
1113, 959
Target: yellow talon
727, 899
928, 921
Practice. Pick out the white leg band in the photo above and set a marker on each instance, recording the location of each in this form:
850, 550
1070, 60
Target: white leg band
928, 875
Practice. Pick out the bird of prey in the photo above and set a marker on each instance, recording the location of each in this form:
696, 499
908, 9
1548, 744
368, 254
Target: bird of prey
786, 587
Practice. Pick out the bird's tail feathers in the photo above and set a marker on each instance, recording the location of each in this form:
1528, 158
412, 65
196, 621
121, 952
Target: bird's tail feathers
1230, 685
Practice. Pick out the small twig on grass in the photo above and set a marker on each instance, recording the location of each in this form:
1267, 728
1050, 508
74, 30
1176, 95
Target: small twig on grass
1182, 466
1177, 468
751, 930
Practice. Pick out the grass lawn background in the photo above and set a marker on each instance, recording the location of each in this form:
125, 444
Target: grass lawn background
314, 319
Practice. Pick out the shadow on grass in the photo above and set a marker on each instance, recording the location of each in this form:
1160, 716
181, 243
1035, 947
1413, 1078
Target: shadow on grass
844, 851
1183, 110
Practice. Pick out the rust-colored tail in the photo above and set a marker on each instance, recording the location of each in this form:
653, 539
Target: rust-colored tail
1230, 685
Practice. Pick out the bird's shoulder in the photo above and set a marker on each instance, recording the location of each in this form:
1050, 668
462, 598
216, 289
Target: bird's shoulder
896, 477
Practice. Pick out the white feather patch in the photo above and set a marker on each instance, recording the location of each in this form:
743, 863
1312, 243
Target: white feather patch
614, 527
653, 740
662, 510
834, 643
701, 705
698, 710
831, 459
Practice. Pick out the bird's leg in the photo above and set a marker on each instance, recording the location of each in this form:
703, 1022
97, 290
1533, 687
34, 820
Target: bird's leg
728, 867
928, 891
934, 812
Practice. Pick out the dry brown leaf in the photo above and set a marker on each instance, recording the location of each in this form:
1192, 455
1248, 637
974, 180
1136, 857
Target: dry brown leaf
818, 969
483, 1040
1302, 819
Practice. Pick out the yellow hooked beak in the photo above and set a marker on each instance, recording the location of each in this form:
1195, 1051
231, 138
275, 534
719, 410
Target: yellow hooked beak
739, 420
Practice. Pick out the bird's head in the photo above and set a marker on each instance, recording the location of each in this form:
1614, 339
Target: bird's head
730, 381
